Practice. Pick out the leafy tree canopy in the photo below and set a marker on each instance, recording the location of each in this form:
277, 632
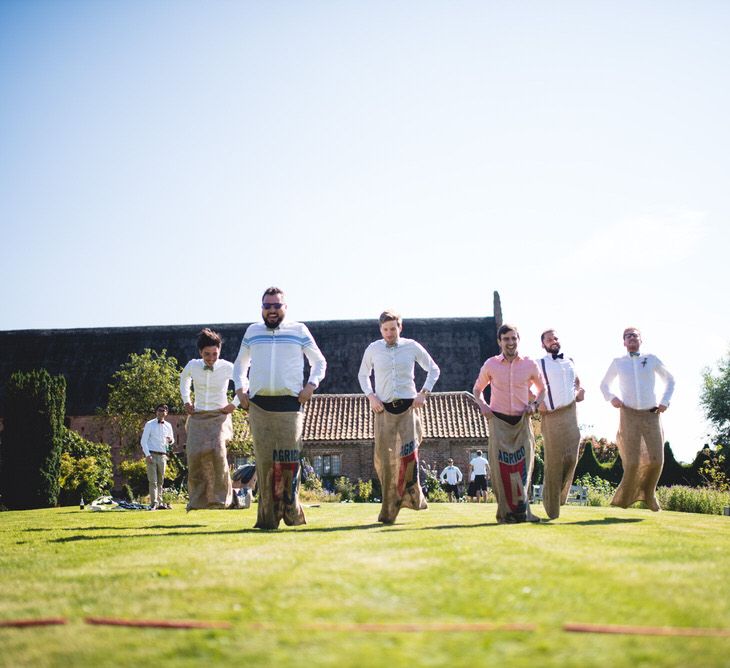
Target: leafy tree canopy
715, 399
140, 384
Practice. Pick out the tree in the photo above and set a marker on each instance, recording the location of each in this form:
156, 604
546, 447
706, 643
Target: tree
31, 444
140, 384
715, 399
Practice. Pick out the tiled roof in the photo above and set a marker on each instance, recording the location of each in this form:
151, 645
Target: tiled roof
347, 417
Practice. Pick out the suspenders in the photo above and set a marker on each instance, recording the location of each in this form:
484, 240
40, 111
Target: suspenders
547, 382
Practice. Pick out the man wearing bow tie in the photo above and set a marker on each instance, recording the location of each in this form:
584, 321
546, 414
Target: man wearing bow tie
157, 437
209, 425
561, 436
639, 420
396, 403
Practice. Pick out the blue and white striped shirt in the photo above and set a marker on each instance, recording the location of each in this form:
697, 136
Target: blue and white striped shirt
274, 360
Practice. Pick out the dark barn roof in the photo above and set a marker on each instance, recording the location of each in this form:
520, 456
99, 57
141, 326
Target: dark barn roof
89, 357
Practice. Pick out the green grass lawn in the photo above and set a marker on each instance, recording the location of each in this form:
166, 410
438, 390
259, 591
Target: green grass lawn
448, 565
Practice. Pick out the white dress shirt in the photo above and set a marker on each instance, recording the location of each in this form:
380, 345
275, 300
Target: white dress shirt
559, 377
451, 475
636, 378
155, 435
276, 360
210, 386
394, 369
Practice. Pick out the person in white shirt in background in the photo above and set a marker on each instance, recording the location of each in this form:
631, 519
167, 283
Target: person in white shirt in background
209, 425
640, 439
157, 437
268, 374
559, 421
396, 403
450, 477
478, 476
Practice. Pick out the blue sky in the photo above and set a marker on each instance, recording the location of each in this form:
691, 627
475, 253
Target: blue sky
163, 162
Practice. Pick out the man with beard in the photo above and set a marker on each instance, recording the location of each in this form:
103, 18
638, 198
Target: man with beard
511, 441
561, 436
209, 425
639, 422
395, 403
274, 395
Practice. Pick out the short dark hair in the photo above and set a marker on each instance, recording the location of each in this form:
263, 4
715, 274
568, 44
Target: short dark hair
547, 331
273, 290
387, 316
507, 328
164, 407
207, 337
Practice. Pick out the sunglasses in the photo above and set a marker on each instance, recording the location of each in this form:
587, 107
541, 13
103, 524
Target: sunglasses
266, 307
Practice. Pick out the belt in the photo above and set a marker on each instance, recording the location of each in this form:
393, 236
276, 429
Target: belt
397, 405
157, 452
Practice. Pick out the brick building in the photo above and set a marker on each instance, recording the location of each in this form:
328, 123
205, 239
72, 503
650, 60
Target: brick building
338, 433
89, 357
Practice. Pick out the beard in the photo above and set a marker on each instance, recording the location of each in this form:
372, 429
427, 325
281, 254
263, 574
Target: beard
274, 323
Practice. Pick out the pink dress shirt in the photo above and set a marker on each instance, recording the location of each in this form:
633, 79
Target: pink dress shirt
511, 383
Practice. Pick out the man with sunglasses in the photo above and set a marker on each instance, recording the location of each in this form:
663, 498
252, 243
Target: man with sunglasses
268, 374
639, 420
395, 403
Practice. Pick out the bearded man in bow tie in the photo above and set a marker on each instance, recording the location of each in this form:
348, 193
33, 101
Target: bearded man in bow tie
640, 439
560, 433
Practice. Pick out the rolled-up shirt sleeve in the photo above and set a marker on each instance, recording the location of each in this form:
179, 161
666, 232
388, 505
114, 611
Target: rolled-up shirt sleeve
240, 366
145, 438
186, 381
607, 380
317, 362
668, 379
426, 362
366, 369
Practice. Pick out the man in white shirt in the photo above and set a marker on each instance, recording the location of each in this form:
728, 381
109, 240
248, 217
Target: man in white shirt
395, 403
157, 437
639, 420
478, 476
209, 425
450, 477
272, 354
560, 432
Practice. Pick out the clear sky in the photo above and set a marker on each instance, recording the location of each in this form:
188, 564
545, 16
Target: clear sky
161, 162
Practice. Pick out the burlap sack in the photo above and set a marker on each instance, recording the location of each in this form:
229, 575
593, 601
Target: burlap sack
640, 442
397, 438
511, 458
209, 480
277, 442
561, 438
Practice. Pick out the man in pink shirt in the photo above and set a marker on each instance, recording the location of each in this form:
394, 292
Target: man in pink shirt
511, 441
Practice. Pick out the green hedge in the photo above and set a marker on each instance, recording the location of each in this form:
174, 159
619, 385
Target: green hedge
86, 468
31, 444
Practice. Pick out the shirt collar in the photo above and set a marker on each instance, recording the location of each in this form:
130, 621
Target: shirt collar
501, 358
